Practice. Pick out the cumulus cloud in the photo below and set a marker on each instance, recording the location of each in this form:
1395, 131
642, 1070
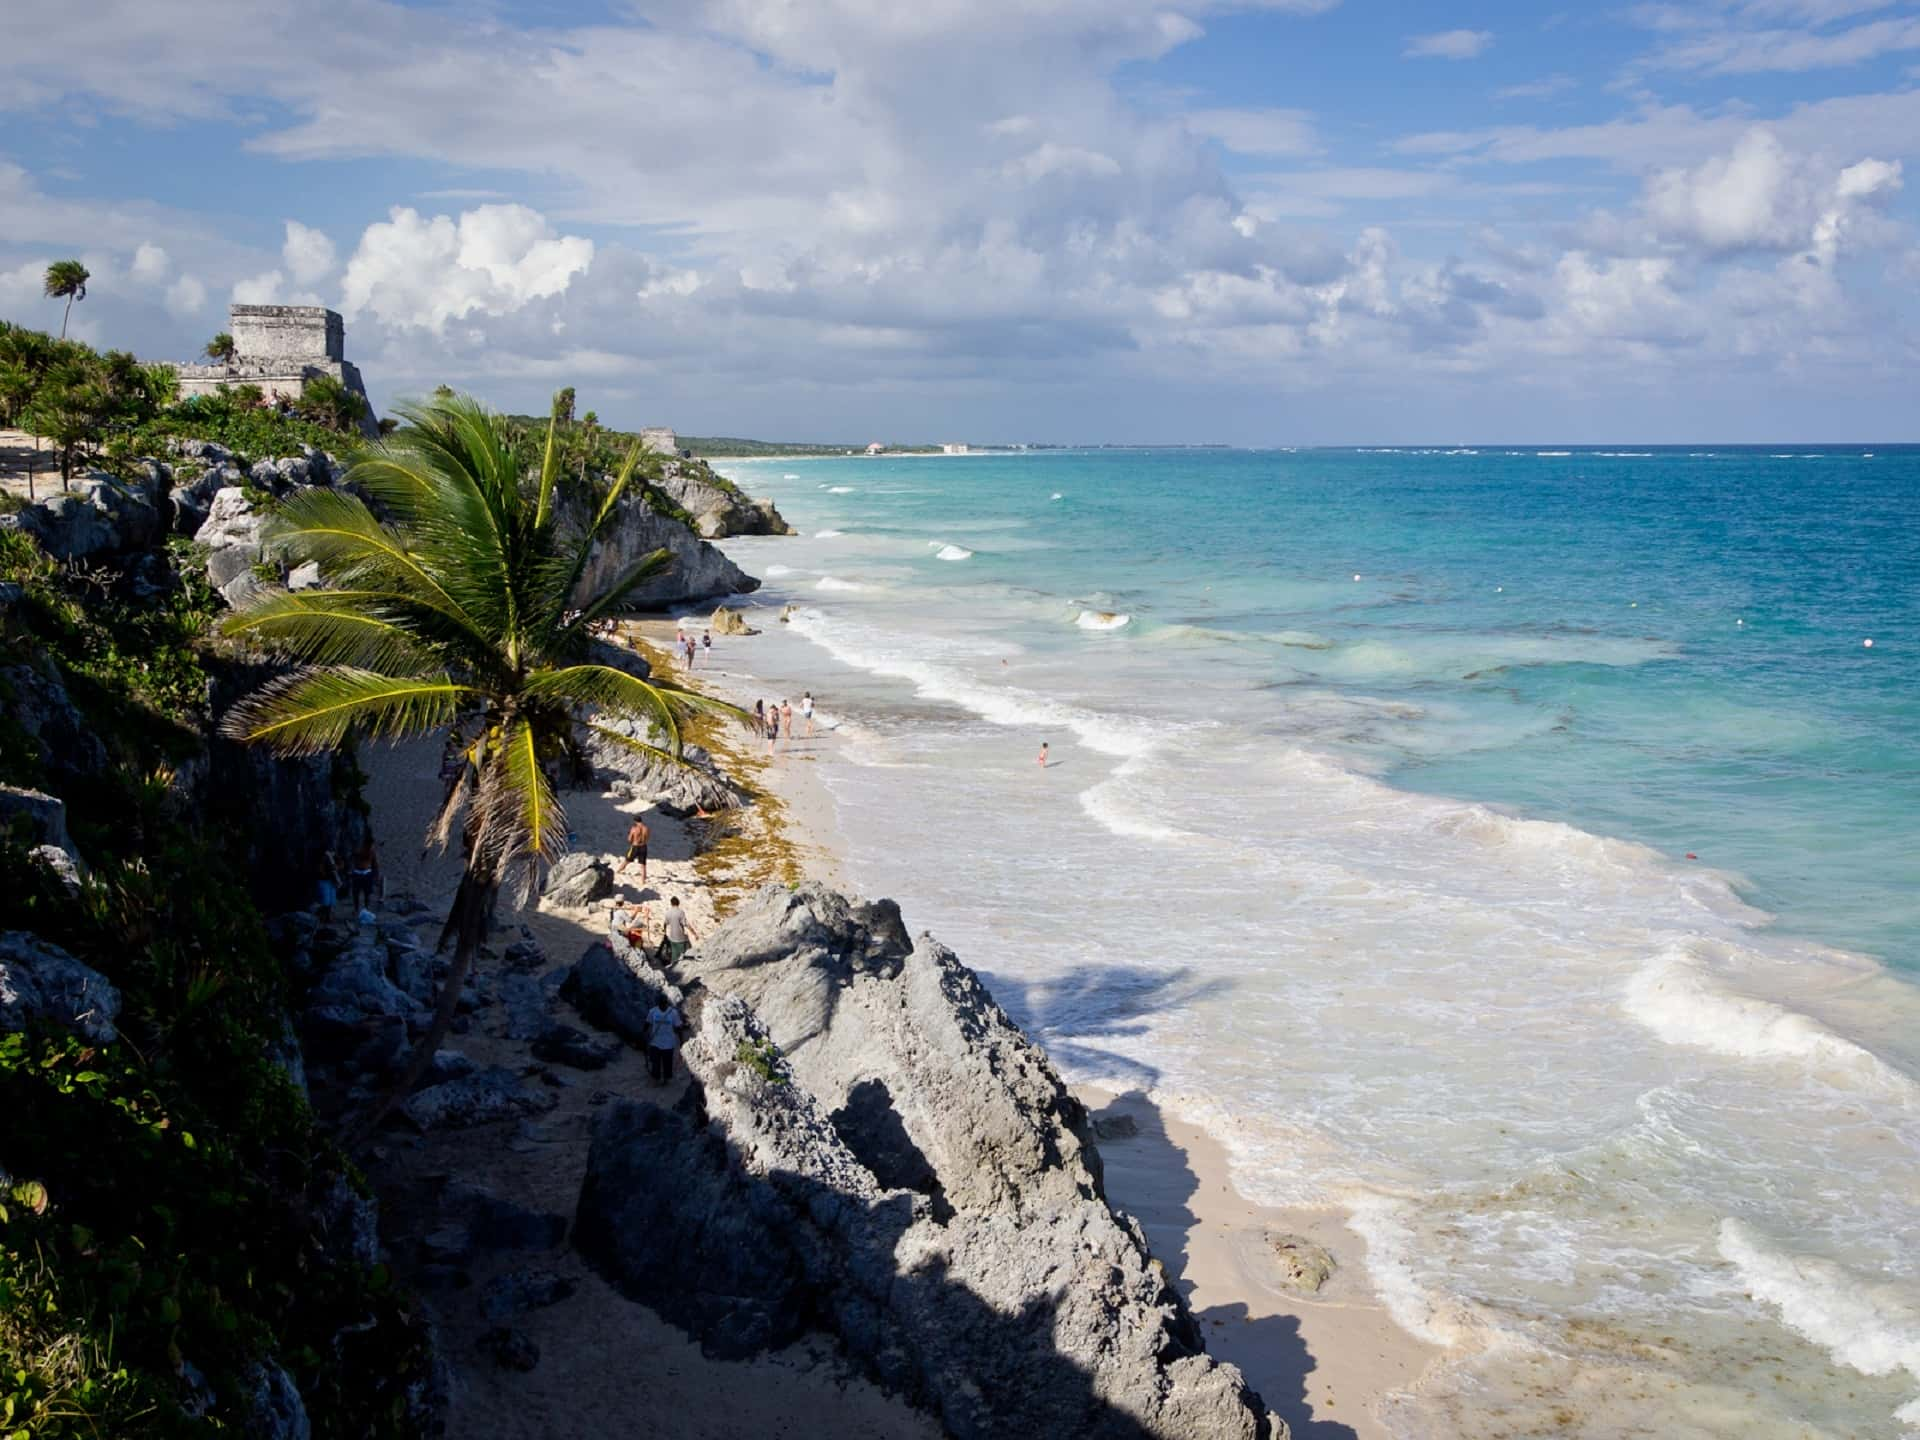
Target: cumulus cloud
150, 263
1762, 196
186, 297
1448, 45
412, 272
307, 254
1258, 132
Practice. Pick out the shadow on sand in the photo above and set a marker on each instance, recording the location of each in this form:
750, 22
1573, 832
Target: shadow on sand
1149, 1177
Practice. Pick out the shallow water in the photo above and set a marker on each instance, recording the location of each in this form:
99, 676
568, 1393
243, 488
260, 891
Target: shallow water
1364, 845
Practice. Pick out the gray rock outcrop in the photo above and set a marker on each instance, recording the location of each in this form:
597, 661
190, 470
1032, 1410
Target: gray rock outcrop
718, 506
694, 784
613, 987
579, 879
871, 1147
98, 518
699, 571
42, 985
232, 534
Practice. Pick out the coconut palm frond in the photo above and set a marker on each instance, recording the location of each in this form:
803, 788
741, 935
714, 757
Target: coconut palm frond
360, 628
695, 700
520, 817
549, 467
642, 747
337, 531
617, 489
646, 568
314, 710
606, 688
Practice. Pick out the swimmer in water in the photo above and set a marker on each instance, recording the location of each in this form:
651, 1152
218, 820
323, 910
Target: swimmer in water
1041, 760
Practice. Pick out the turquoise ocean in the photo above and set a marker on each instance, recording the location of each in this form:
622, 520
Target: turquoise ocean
1516, 850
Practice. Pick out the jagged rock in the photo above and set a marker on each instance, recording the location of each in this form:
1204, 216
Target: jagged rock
696, 783
718, 506
232, 535
905, 1170
1304, 1265
579, 879
274, 1408
304, 577
447, 1065
37, 701
43, 817
41, 984
525, 1003
699, 571
728, 621
1116, 1127
496, 1225
61, 863
477, 1099
613, 987
518, 1291
563, 1045
509, 1349
524, 955
618, 657
98, 517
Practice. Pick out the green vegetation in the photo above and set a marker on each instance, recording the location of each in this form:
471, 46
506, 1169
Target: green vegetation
75, 396
157, 1214
454, 606
220, 348
67, 279
763, 1057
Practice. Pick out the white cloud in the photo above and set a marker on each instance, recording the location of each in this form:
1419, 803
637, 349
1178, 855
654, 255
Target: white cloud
413, 272
1729, 50
1448, 45
307, 253
1762, 196
186, 297
1258, 132
150, 263
263, 289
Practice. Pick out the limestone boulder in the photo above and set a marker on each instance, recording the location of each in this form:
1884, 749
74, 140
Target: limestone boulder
698, 570
692, 784
42, 985
728, 621
870, 1146
579, 879
613, 987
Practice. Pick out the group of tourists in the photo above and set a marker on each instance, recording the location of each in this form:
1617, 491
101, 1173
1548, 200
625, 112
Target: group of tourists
664, 1022
689, 652
774, 719
361, 877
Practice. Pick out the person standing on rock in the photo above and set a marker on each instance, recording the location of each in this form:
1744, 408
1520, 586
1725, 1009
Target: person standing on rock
676, 931
361, 873
663, 1038
636, 849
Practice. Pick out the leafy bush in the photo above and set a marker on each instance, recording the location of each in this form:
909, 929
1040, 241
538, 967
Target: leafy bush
252, 432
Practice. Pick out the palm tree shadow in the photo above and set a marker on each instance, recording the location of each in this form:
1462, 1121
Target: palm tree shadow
1270, 1350
1071, 1015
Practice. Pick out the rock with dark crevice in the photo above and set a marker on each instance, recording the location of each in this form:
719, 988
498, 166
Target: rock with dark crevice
42, 985
869, 1146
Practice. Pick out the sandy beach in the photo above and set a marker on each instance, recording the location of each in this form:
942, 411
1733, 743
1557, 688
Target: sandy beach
1322, 1360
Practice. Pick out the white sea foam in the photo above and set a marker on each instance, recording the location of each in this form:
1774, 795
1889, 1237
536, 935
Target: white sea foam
830, 582
789, 477
1869, 1325
1303, 640
953, 552
1678, 998
1552, 454
1056, 496
774, 572
840, 489
1006, 705
1113, 805
828, 534
1101, 620
1382, 1222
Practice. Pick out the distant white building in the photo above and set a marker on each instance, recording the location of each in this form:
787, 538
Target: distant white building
953, 450
659, 440
876, 448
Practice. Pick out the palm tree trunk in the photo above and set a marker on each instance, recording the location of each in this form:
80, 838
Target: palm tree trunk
66, 315
472, 905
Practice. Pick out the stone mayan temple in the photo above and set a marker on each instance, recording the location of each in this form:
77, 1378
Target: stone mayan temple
280, 348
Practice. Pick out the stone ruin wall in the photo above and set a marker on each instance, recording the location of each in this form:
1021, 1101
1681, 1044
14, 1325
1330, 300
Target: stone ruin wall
270, 333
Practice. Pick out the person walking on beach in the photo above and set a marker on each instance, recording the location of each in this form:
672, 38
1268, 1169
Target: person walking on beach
678, 934
663, 1038
806, 712
361, 873
786, 720
706, 647
636, 849
1042, 761
759, 717
773, 727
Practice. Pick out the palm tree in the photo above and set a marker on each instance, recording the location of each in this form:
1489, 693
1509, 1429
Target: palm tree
220, 348
68, 278
454, 603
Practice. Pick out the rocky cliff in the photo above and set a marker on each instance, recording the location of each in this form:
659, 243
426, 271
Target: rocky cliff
718, 506
874, 1149
699, 571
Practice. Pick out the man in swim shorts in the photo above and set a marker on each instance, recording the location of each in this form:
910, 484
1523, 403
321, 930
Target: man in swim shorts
636, 848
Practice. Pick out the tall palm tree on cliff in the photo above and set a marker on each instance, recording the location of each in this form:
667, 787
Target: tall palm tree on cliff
453, 603
68, 278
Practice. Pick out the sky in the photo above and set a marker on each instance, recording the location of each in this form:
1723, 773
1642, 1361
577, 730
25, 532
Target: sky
1128, 221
